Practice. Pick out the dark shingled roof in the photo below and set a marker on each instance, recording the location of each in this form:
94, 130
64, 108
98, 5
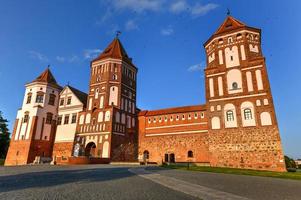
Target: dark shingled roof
82, 96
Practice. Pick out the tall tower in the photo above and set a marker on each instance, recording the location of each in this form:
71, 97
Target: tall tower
34, 128
107, 129
243, 130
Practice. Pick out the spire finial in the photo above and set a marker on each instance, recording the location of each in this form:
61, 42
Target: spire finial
68, 83
118, 33
48, 66
228, 12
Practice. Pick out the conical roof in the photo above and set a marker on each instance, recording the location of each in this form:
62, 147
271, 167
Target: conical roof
46, 77
229, 24
114, 50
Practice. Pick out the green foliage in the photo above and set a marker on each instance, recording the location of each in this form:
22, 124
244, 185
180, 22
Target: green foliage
290, 163
285, 175
4, 136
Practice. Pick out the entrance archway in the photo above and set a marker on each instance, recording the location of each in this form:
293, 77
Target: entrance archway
90, 149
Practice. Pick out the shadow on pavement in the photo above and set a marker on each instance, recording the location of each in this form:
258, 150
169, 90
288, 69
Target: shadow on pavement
54, 178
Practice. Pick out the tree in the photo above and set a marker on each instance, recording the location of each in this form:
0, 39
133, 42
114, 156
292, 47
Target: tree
4, 136
290, 163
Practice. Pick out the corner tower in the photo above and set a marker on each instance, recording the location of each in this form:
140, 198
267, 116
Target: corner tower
107, 129
35, 125
243, 130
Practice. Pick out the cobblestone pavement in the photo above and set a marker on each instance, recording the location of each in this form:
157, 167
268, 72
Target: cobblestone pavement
119, 182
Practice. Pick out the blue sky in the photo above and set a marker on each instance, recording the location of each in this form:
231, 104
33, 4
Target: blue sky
165, 39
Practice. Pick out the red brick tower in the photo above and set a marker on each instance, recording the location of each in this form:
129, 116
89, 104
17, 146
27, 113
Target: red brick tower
243, 130
107, 129
35, 125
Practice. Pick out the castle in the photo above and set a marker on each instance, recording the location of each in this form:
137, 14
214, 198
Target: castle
236, 127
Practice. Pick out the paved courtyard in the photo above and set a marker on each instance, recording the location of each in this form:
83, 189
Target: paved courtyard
126, 182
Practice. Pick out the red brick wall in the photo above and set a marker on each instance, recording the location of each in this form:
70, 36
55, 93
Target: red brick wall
62, 149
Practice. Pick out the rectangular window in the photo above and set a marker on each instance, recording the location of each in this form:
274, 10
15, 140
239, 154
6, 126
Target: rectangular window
61, 102
59, 120
28, 98
26, 117
51, 99
49, 118
66, 120
39, 98
73, 120
69, 101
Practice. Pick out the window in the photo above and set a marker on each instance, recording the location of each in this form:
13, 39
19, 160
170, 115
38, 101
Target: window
234, 86
115, 77
69, 101
248, 114
73, 120
230, 115
66, 119
231, 57
59, 120
51, 99
40, 97
49, 118
29, 95
26, 117
230, 40
146, 154
61, 102
190, 154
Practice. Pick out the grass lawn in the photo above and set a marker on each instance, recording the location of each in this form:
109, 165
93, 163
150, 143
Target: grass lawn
285, 175
2, 161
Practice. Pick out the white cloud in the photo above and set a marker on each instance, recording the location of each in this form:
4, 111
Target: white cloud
60, 58
37, 55
69, 59
194, 10
131, 25
91, 53
198, 9
138, 5
196, 67
179, 6
167, 31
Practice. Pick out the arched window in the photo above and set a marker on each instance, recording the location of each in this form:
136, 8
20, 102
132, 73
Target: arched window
234, 81
247, 114
230, 115
190, 154
115, 77
145, 154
